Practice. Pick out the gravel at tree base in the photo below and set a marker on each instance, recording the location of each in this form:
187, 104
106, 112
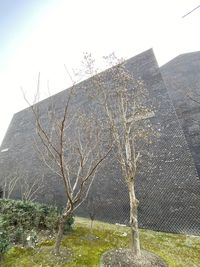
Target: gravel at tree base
126, 258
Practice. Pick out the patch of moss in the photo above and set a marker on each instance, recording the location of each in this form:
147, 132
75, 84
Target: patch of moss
46, 243
178, 250
88, 252
45, 256
17, 256
86, 247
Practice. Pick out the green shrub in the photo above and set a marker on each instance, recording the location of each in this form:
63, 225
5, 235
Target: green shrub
29, 215
4, 242
21, 220
19, 235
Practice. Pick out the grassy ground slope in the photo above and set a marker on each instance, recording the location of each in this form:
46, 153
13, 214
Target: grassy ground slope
85, 250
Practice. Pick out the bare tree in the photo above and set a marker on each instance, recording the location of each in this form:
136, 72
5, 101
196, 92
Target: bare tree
8, 185
71, 144
92, 205
125, 102
30, 189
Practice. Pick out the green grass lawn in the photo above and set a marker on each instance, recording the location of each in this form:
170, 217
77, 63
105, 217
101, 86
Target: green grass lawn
177, 250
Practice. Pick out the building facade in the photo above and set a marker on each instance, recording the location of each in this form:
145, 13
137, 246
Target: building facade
167, 184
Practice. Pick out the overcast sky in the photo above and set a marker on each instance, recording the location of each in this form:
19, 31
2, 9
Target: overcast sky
43, 35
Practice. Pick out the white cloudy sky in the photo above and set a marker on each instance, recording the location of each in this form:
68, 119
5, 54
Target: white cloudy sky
43, 35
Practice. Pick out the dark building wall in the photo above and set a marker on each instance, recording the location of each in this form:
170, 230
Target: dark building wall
182, 79
167, 185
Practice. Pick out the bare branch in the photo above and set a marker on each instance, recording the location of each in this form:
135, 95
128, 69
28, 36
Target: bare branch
190, 11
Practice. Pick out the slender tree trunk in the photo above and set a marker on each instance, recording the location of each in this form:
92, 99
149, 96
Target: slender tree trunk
135, 243
91, 226
60, 233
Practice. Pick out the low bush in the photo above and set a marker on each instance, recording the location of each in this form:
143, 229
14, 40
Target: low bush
20, 221
28, 215
4, 242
